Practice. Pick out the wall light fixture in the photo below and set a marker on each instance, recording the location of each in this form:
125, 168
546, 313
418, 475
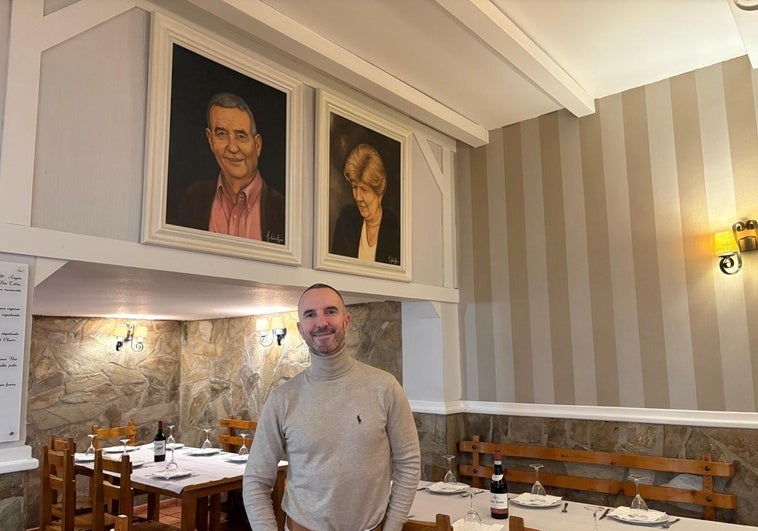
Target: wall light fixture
266, 333
128, 333
730, 245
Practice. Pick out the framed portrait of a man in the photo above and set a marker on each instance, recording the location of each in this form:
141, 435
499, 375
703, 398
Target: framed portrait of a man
223, 151
362, 191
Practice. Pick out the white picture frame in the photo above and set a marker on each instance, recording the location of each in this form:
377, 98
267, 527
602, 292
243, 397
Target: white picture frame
186, 65
340, 126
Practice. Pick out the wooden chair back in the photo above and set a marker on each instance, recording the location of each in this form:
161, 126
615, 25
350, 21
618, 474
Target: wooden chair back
229, 439
442, 523
516, 523
57, 488
705, 468
112, 494
120, 432
59, 444
122, 523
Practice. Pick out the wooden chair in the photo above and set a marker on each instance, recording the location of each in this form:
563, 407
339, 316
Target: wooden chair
58, 489
230, 441
121, 432
516, 523
83, 503
442, 523
114, 500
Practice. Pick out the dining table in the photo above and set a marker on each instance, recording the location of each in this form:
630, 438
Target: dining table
199, 479
561, 515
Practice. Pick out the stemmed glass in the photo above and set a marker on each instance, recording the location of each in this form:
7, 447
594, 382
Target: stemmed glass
170, 442
124, 442
471, 521
172, 464
638, 506
450, 475
207, 442
243, 449
91, 449
537, 488
596, 510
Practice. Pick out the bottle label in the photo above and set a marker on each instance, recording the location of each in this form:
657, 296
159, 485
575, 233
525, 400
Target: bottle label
159, 447
497, 477
499, 503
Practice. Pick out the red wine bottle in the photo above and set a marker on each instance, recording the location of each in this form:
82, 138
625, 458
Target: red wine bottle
159, 444
498, 491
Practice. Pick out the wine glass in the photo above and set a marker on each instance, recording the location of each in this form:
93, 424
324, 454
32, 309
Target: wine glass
537, 488
91, 449
172, 464
471, 521
596, 510
450, 475
124, 442
170, 442
243, 449
638, 505
207, 442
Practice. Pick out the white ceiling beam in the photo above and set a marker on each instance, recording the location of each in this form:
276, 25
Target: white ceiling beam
747, 25
288, 35
495, 29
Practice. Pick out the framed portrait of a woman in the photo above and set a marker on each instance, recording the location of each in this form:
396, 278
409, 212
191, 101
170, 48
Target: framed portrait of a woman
362, 191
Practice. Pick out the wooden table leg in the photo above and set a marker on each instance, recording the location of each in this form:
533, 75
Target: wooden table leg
214, 515
202, 514
189, 512
153, 506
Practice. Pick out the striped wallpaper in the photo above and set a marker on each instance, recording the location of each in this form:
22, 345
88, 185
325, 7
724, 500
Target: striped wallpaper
591, 274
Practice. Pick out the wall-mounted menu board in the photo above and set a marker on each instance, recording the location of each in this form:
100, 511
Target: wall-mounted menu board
13, 296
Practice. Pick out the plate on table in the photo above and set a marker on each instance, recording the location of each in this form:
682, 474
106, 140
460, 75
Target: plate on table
84, 458
527, 499
650, 517
238, 458
448, 488
172, 474
174, 446
204, 451
119, 449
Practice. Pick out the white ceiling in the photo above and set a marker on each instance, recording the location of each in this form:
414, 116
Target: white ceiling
464, 67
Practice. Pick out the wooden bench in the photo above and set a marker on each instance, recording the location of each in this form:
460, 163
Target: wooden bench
481, 467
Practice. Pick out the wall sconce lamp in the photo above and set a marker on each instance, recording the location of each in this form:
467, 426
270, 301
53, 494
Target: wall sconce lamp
267, 334
730, 245
128, 333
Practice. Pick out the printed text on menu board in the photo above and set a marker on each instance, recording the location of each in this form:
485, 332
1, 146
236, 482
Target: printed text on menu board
13, 296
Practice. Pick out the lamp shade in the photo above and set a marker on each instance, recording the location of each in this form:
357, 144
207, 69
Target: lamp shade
724, 243
261, 325
140, 331
121, 330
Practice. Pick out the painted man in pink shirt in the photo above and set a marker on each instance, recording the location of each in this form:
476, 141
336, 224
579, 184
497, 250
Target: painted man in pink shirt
238, 202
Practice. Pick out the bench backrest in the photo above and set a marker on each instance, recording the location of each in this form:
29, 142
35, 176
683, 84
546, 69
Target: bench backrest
481, 459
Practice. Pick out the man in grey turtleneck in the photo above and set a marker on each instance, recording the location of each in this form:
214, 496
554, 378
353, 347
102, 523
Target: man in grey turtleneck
346, 429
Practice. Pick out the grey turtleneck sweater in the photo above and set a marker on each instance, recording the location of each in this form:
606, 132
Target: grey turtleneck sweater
346, 429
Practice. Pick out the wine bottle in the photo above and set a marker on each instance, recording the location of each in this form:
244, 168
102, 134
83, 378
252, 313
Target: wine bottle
498, 491
159, 444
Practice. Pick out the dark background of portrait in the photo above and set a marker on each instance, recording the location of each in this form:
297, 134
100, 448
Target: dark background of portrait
194, 79
344, 135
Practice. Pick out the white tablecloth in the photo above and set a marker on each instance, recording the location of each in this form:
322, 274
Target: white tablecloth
427, 504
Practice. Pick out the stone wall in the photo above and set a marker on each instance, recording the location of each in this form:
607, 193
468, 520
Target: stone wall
439, 435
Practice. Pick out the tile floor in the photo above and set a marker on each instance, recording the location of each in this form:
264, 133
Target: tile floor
171, 512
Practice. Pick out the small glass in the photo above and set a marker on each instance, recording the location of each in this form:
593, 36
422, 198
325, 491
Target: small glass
537, 488
450, 475
124, 442
91, 449
170, 442
172, 464
207, 442
471, 521
638, 505
243, 449
596, 510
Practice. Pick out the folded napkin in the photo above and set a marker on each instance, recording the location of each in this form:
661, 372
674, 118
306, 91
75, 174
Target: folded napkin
458, 526
535, 500
627, 514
